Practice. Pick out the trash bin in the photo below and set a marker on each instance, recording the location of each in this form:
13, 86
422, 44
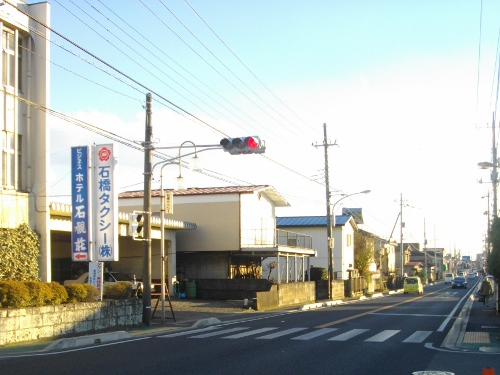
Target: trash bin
191, 289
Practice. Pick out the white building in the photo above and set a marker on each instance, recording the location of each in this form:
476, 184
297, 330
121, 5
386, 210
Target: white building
316, 227
25, 60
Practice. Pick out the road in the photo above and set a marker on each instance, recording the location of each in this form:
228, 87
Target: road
396, 334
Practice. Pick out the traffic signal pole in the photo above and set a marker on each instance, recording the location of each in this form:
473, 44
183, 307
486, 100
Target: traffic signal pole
146, 277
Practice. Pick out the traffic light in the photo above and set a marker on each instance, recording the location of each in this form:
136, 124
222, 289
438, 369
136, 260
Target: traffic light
243, 145
136, 224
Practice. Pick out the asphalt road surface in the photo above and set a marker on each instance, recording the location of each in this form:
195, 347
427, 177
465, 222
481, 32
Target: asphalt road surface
398, 334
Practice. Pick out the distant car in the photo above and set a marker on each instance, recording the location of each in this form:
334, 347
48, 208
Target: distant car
448, 278
109, 278
471, 275
413, 285
459, 282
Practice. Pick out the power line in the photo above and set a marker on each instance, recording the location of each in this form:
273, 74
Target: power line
246, 67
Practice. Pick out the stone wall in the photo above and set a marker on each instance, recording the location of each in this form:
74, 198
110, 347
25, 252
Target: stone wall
33, 323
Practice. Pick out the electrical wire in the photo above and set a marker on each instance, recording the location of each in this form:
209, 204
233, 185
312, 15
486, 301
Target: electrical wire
246, 66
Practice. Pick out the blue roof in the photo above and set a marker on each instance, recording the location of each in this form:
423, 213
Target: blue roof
309, 221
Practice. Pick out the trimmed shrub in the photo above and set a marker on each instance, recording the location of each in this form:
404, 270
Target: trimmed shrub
59, 293
76, 292
92, 293
119, 290
40, 293
14, 294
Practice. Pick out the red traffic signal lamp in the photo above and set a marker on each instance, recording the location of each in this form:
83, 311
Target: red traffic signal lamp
243, 145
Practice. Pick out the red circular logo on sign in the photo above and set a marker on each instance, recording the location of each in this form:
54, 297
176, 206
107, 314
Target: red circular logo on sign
104, 154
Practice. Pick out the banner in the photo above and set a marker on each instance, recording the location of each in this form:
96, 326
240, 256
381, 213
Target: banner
80, 204
106, 204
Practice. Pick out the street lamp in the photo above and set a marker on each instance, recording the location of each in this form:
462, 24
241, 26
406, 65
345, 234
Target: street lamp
330, 226
195, 165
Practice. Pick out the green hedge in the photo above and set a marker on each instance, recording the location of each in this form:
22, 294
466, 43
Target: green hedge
18, 294
119, 290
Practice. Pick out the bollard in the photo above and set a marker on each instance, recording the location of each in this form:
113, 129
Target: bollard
488, 371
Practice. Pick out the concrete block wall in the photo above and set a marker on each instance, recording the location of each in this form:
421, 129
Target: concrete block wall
33, 323
283, 295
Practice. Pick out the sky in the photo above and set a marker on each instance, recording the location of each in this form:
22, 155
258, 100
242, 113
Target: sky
407, 91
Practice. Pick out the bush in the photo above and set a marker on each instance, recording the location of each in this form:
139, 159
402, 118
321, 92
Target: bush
318, 273
92, 293
76, 292
119, 290
19, 251
59, 293
14, 294
40, 293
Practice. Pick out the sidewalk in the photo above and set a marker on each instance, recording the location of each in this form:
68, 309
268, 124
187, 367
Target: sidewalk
482, 326
476, 329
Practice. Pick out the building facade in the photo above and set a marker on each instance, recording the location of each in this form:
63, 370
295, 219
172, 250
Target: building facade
25, 133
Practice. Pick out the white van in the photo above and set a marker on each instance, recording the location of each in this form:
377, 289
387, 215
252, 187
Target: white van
448, 278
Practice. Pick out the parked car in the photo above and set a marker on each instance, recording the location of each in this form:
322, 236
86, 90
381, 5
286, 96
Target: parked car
448, 278
459, 282
413, 285
109, 277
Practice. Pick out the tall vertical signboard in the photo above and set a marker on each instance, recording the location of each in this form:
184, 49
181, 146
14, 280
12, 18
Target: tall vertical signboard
106, 204
80, 203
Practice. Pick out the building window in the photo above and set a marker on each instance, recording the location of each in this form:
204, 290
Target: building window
19, 161
349, 240
20, 64
8, 159
8, 58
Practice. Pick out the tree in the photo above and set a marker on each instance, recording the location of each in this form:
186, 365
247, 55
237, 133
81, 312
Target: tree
19, 252
363, 251
494, 256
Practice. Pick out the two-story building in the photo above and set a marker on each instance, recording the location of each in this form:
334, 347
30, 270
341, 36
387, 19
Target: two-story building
316, 227
24, 197
235, 231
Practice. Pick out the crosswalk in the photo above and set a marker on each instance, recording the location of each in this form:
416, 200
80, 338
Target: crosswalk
300, 333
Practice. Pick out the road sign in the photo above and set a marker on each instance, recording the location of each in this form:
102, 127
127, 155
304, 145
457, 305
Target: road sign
80, 205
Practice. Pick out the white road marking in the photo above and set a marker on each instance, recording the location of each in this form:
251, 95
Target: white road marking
384, 335
418, 336
316, 333
348, 335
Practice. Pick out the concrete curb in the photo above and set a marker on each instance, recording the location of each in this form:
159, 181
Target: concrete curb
455, 336
337, 302
100, 338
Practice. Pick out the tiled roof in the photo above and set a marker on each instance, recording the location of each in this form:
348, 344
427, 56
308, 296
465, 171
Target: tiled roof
268, 190
309, 221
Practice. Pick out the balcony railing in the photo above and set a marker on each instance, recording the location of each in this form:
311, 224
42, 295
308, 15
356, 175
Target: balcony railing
271, 238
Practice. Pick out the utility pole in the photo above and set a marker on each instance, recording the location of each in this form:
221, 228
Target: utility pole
401, 234
494, 173
329, 213
425, 253
146, 278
